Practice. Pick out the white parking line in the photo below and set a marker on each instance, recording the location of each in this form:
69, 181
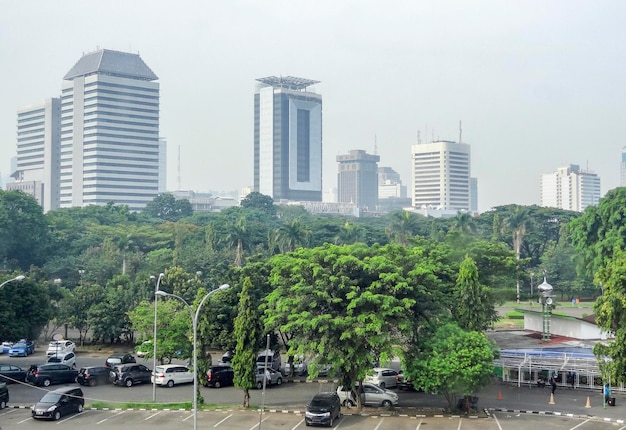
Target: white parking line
497, 422
71, 417
576, 426
220, 422
106, 419
152, 416
379, 424
297, 425
257, 424
419, 424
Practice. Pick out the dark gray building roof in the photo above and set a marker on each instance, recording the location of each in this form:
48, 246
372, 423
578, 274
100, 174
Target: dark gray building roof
114, 63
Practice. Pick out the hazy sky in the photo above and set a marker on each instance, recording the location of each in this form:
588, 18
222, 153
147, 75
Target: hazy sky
536, 84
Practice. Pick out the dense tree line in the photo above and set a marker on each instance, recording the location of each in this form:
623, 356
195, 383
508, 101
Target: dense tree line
335, 288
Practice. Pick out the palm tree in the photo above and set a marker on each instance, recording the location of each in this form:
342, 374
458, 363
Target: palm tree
292, 234
238, 237
349, 234
517, 222
463, 222
403, 226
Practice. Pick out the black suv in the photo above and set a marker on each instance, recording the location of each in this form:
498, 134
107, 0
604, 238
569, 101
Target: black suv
116, 359
51, 373
54, 404
4, 395
323, 409
219, 376
130, 374
93, 375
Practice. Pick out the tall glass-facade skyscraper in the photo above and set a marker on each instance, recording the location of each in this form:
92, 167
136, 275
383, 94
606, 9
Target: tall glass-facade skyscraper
357, 179
109, 132
288, 139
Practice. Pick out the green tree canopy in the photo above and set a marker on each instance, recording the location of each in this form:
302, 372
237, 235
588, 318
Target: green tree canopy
166, 207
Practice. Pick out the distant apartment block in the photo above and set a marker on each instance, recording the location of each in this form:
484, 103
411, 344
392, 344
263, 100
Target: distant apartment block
570, 188
288, 139
357, 179
440, 174
99, 142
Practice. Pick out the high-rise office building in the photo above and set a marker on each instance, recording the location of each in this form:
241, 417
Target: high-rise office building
37, 163
440, 173
570, 188
109, 132
357, 180
288, 139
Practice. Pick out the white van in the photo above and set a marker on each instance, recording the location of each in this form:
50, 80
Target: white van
271, 357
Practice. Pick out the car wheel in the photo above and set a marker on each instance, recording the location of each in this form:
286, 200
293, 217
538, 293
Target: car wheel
382, 385
386, 403
56, 416
128, 382
170, 383
279, 381
46, 382
93, 382
348, 403
79, 409
3, 404
259, 385
217, 384
330, 423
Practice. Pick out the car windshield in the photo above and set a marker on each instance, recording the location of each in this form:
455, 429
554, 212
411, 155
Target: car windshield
54, 359
51, 397
19, 344
159, 369
320, 402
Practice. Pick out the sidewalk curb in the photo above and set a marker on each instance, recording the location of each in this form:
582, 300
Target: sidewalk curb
559, 414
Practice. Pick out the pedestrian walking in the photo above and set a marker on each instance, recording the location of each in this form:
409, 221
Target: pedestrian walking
553, 383
607, 394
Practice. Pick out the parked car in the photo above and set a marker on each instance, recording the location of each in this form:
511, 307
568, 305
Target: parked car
269, 357
116, 359
93, 375
324, 408
68, 358
22, 348
403, 383
6, 345
271, 376
130, 374
55, 404
372, 395
59, 347
172, 374
226, 359
10, 374
51, 373
4, 395
143, 349
219, 376
383, 377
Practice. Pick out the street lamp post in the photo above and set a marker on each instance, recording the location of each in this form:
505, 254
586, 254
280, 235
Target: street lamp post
154, 338
17, 279
194, 324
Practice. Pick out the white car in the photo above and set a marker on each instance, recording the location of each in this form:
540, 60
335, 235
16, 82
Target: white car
169, 375
59, 347
372, 396
383, 377
67, 358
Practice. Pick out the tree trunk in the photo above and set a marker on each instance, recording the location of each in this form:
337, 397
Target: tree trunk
246, 398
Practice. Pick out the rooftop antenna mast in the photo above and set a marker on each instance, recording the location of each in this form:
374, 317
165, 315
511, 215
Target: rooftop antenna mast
460, 132
375, 145
178, 169
419, 138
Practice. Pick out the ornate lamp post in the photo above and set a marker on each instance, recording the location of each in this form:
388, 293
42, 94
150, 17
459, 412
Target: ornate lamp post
546, 301
194, 324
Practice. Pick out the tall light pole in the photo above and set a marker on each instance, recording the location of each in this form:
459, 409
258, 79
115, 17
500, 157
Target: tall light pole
154, 338
17, 279
194, 324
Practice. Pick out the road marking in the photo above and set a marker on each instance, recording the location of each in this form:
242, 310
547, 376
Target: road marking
296, 426
497, 422
576, 426
106, 419
152, 416
379, 424
256, 425
69, 418
220, 422
419, 424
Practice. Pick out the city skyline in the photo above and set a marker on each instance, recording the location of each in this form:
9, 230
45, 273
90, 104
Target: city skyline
536, 85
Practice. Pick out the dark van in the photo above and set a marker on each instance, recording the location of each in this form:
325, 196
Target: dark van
62, 401
4, 395
93, 375
219, 376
